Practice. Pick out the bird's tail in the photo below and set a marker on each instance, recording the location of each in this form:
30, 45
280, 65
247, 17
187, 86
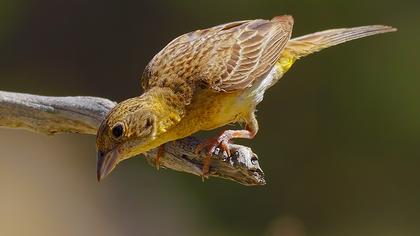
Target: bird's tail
308, 44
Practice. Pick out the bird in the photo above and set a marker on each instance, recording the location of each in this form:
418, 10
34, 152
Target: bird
207, 79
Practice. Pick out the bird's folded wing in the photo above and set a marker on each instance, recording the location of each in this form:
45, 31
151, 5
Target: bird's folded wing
227, 57
247, 53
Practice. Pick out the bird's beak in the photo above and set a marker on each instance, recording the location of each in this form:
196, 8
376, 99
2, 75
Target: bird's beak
106, 163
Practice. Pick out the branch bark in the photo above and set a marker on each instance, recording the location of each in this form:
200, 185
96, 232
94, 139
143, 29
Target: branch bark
52, 115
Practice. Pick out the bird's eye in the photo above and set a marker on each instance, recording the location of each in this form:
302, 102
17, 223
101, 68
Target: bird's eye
117, 130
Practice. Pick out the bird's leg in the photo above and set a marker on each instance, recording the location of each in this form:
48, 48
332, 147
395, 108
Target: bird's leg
160, 153
223, 139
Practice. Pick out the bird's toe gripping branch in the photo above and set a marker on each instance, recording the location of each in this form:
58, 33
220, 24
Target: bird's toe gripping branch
220, 143
210, 146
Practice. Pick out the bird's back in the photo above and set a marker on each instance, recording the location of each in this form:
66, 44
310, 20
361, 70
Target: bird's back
223, 58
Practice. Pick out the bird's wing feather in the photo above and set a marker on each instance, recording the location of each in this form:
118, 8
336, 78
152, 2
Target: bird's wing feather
247, 53
227, 57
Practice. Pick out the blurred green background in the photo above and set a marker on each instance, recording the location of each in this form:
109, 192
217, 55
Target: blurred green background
339, 136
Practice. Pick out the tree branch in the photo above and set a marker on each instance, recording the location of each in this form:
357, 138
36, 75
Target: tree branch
51, 115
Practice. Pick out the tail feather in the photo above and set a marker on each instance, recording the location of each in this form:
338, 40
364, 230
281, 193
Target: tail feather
308, 44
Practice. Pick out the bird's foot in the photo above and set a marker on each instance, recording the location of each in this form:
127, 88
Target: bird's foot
221, 141
160, 153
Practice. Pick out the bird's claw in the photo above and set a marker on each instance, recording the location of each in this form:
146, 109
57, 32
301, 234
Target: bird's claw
160, 154
211, 145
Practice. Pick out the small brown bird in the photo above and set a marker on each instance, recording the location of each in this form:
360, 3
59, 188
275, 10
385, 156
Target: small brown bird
206, 79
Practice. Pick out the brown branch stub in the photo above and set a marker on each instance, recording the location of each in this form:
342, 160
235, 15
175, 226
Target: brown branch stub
51, 115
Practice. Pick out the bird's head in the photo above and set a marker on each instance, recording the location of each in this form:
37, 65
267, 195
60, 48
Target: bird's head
128, 130
135, 126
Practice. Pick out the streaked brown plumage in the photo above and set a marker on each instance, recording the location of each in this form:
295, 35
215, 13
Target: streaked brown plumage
207, 79
224, 58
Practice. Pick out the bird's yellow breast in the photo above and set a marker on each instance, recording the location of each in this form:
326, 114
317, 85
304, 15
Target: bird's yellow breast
210, 110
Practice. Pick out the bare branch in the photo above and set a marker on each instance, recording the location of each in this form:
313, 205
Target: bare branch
51, 115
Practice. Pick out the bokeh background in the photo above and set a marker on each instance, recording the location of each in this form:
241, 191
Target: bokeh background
339, 137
